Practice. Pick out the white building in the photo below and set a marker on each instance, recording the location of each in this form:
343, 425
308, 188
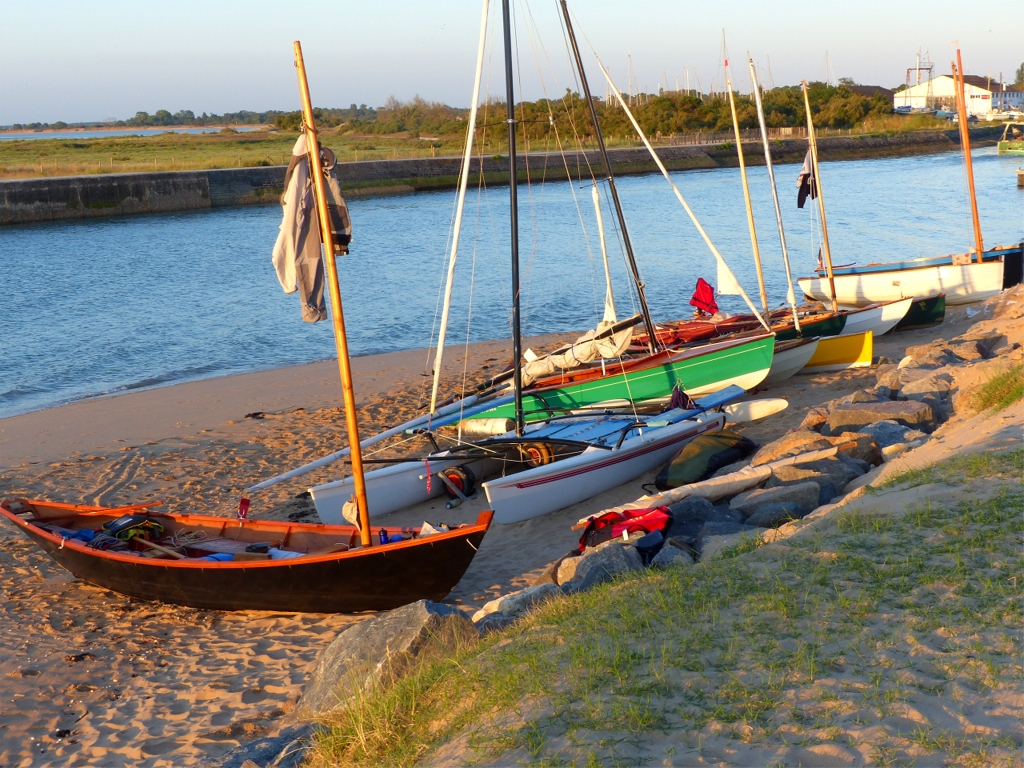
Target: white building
983, 95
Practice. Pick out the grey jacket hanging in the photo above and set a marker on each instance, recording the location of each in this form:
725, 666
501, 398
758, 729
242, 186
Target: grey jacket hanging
297, 253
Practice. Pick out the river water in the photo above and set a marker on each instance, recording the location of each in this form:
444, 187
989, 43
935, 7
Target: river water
116, 304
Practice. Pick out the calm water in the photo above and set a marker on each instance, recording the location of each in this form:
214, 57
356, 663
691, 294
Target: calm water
107, 134
121, 303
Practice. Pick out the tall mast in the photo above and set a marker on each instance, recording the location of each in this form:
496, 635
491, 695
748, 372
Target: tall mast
790, 297
337, 315
611, 181
965, 140
821, 198
743, 176
513, 200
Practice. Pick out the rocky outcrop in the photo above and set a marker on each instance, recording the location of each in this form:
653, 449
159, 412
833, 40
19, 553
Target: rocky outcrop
379, 651
804, 495
597, 565
851, 417
516, 603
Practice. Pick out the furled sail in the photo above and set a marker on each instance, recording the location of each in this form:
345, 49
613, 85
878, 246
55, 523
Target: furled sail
593, 345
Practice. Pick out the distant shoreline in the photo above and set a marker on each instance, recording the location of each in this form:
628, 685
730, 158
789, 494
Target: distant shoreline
128, 129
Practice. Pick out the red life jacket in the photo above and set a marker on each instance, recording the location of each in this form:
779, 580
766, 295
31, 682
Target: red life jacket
611, 525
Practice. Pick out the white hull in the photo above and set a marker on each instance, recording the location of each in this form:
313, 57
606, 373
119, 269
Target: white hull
878, 320
554, 486
388, 489
788, 362
962, 284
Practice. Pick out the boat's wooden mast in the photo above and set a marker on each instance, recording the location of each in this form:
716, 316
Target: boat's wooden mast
790, 296
965, 140
651, 335
821, 198
517, 341
337, 315
746, 188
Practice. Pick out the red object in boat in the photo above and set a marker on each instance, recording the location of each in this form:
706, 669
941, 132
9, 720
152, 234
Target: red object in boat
704, 297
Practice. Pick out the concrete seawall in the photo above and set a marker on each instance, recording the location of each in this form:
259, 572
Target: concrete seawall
82, 197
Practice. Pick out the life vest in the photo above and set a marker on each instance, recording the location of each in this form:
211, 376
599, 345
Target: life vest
611, 525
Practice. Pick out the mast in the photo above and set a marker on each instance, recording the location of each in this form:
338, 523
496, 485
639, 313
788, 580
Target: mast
821, 198
651, 336
790, 296
965, 139
746, 186
337, 315
463, 181
513, 201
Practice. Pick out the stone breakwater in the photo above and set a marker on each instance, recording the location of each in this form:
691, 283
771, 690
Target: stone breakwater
81, 197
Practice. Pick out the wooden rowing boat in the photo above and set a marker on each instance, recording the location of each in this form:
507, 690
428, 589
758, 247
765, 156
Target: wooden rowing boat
328, 572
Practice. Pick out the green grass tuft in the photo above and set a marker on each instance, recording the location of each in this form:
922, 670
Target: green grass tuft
1001, 391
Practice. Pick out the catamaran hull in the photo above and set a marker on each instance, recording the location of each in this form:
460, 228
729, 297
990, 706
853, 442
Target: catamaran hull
962, 284
790, 360
389, 489
541, 490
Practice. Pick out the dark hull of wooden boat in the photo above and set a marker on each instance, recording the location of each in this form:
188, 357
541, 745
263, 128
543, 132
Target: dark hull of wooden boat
923, 313
374, 579
826, 325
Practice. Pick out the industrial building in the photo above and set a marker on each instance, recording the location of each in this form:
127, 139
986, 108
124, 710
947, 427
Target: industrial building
983, 95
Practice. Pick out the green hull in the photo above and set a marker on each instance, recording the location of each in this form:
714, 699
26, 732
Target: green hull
924, 313
746, 364
1011, 148
829, 326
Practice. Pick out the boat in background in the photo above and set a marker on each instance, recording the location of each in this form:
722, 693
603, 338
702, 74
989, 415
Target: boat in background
790, 358
923, 313
1012, 141
314, 568
964, 278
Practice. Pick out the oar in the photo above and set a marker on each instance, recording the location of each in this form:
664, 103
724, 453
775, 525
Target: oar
159, 548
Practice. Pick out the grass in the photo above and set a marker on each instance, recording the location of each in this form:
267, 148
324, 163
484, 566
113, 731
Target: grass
790, 645
961, 469
1000, 392
182, 152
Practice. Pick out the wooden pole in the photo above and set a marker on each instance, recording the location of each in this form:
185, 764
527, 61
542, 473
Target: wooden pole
821, 198
965, 138
337, 315
746, 198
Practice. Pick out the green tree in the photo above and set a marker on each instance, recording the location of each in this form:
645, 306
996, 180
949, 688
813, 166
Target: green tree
1019, 79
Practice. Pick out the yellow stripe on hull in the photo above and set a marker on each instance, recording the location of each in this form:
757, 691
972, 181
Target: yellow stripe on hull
837, 353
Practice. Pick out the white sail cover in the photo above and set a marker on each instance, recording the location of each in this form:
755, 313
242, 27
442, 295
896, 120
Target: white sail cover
585, 349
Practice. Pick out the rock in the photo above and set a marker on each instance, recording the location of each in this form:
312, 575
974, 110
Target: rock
773, 515
600, 564
381, 650
670, 556
831, 469
939, 385
828, 490
967, 349
852, 416
886, 433
516, 603
803, 494
858, 465
678, 543
906, 361
888, 376
718, 536
987, 343
814, 420
886, 393
285, 750
649, 545
736, 466
692, 512
493, 622
863, 396
790, 444
865, 447
860, 482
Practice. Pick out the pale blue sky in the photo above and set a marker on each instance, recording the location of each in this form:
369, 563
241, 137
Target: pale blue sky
91, 60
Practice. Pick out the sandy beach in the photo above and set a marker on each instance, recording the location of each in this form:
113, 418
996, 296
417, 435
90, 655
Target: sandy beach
88, 677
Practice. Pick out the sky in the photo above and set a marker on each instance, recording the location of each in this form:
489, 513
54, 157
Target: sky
85, 61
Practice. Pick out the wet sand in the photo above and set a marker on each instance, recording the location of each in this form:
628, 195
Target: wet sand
89, 677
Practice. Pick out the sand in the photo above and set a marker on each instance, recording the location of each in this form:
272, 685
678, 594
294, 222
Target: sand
91, 677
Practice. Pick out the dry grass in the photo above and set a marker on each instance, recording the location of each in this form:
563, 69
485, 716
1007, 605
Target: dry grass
999, 392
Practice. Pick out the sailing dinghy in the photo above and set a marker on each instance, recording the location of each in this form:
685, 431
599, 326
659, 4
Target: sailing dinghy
550, 465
